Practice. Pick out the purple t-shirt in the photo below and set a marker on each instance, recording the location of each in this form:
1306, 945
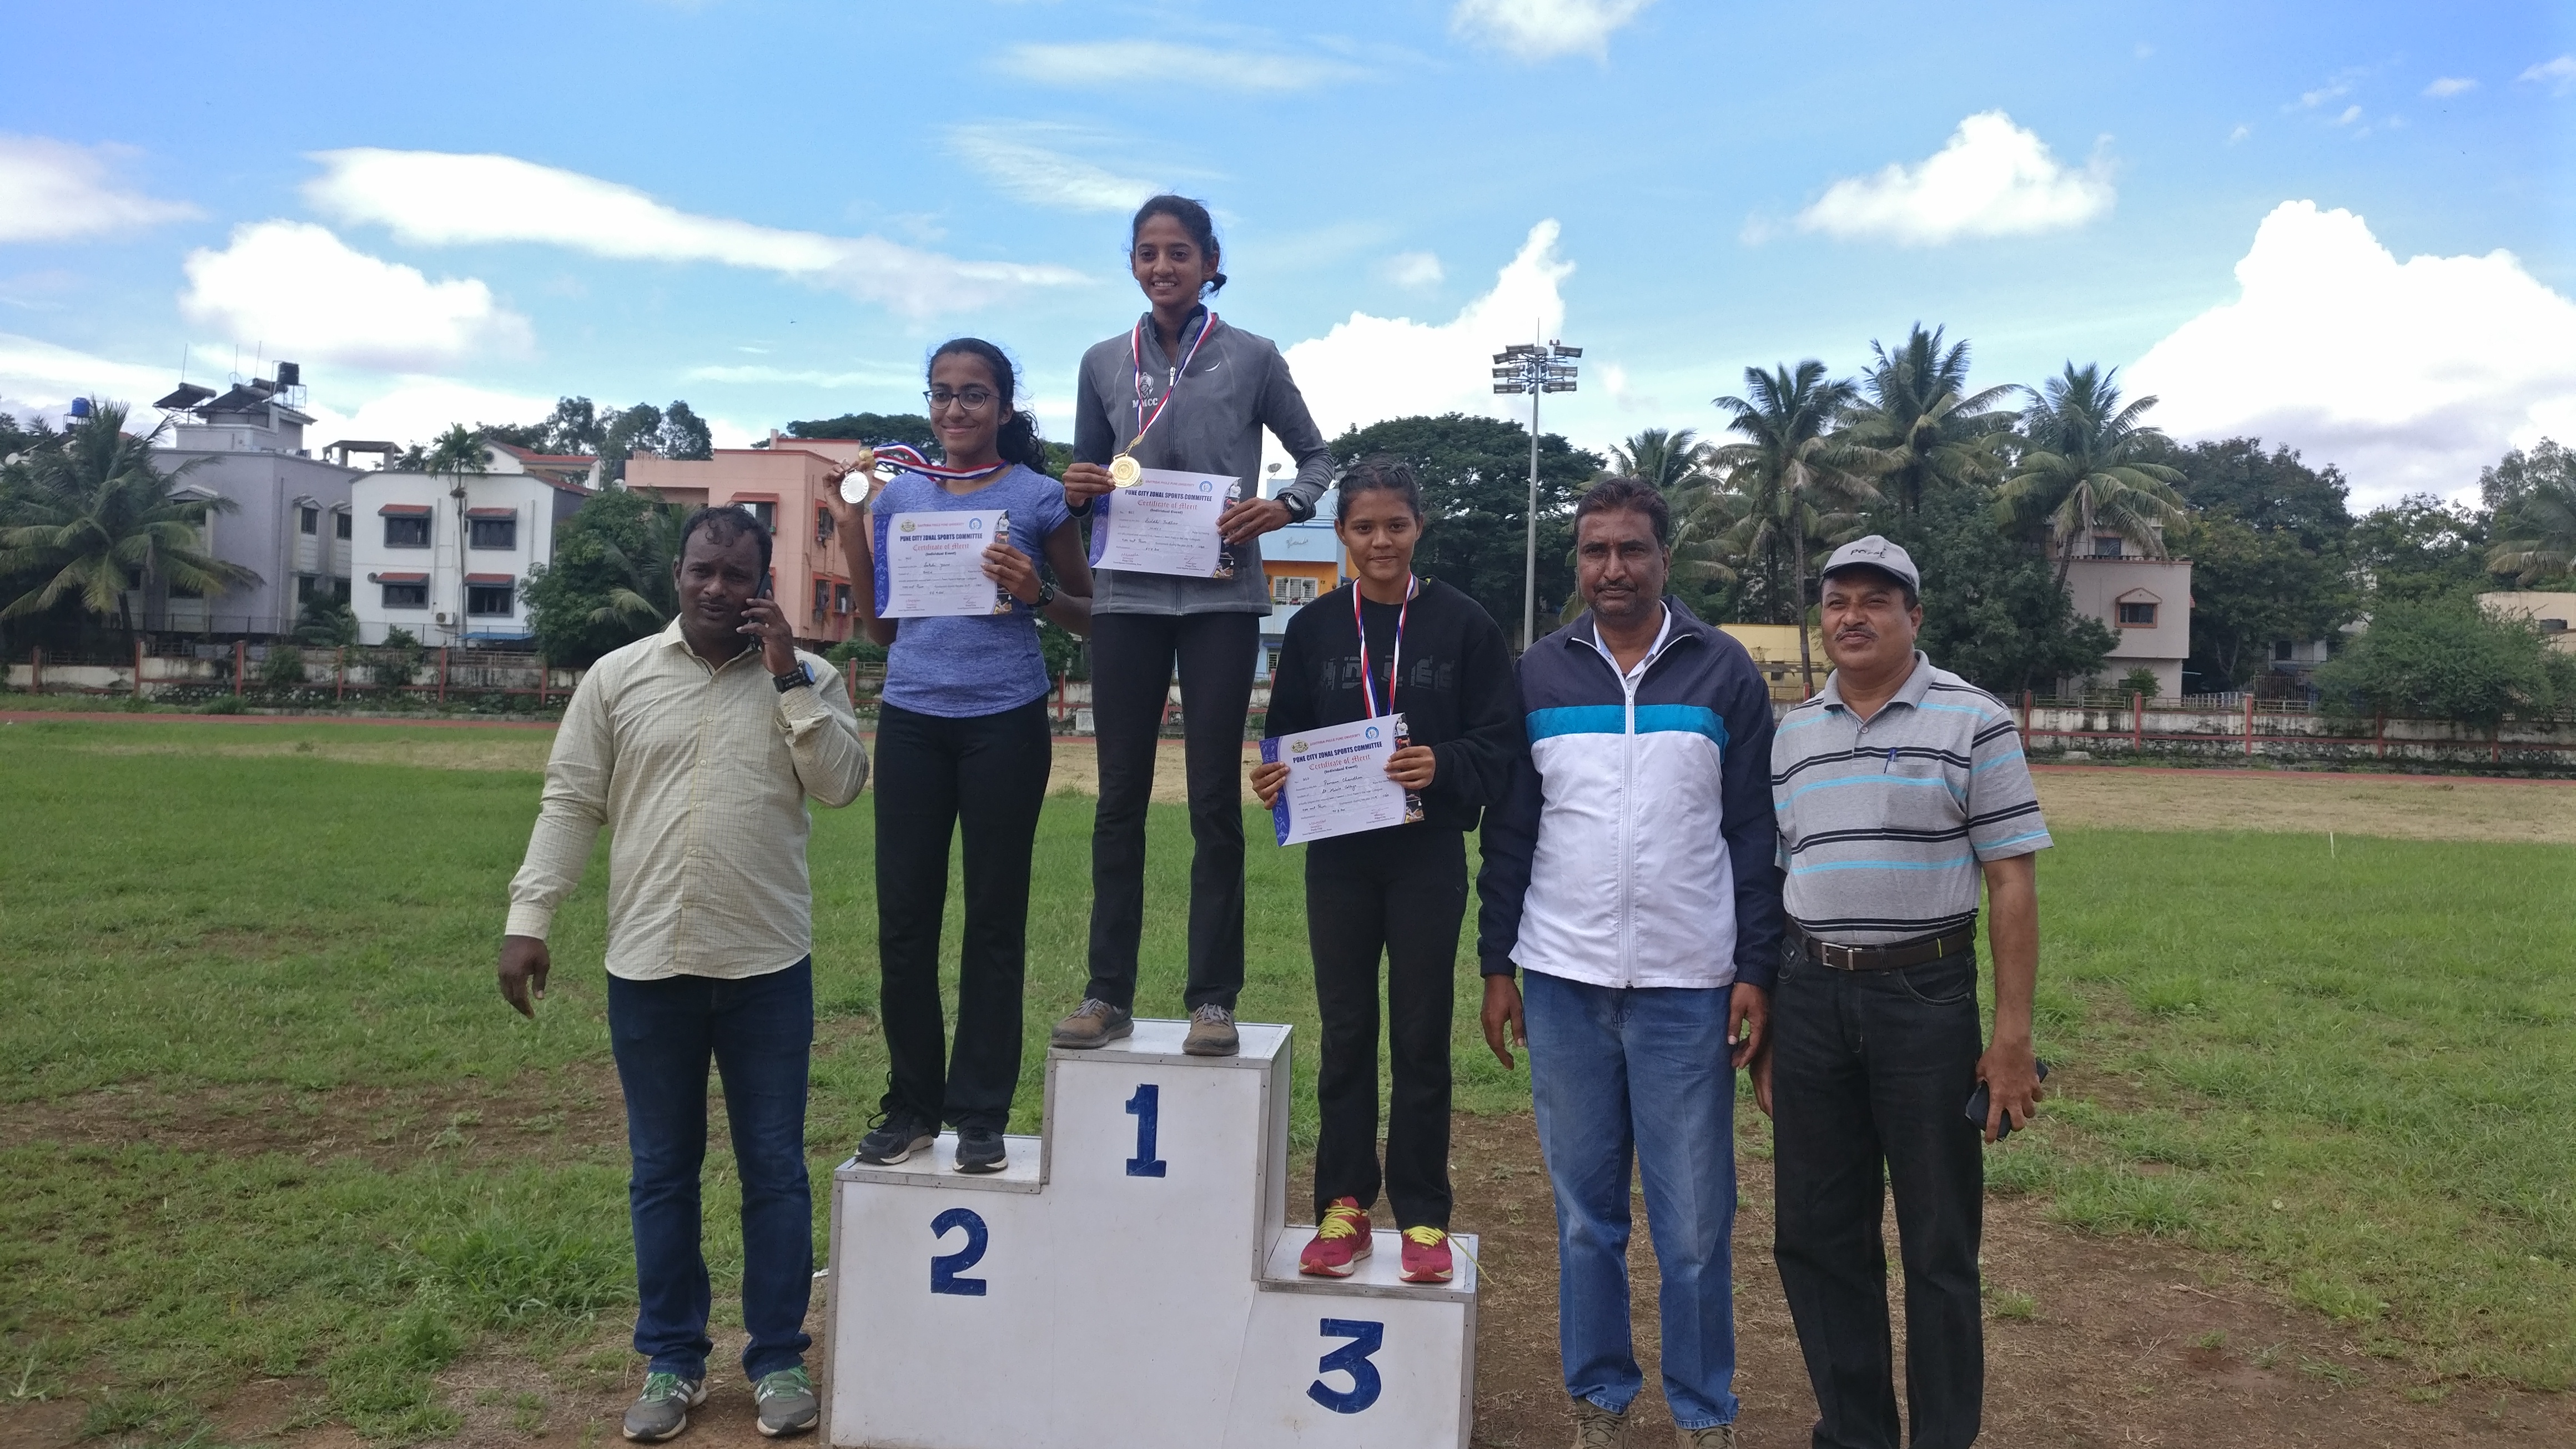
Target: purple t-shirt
957, 667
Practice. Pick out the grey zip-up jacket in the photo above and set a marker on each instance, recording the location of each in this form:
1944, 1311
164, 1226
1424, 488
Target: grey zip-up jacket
1238, 385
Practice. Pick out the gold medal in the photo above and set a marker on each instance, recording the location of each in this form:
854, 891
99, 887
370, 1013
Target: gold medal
861, 480
1125, 471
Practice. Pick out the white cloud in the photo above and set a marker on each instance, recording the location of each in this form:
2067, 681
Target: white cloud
1106, 64
1992, 179
2560, 73
2332, 91
866, 377
2239, 134
416, 409
2350, 114
41, 378
52, 190
1371, 368
2450, 85
440, 198
1541, 29
297, 289
1043, 177
1414, 270
2410, 376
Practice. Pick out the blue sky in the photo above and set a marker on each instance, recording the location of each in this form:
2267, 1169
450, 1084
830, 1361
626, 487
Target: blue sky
774, 210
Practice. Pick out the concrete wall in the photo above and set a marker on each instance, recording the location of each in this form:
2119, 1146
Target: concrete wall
2555, 612
262, 535
789, 476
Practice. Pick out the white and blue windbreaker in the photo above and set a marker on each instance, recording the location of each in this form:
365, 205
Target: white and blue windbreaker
1636, 845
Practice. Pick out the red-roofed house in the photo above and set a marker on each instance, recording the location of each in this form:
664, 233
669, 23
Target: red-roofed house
444, 556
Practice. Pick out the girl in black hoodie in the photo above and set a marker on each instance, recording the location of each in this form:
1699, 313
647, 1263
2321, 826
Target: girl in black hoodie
1389, 642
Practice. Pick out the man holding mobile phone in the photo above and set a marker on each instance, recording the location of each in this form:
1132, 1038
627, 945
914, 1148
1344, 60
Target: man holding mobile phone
698, 748
1897, 789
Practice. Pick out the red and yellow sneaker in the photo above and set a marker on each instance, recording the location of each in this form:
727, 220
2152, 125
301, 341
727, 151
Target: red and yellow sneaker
1341, 1240
1426, 1256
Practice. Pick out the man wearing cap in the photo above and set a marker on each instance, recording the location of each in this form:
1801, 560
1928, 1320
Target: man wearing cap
1897, 788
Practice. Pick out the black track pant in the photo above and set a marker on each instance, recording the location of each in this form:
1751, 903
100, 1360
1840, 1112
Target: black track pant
1132, 661
1402, 892
987, 774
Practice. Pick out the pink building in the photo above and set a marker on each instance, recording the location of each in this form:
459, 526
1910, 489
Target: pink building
785, 485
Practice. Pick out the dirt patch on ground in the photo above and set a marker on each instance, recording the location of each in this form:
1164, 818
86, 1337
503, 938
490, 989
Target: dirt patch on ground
1077, 770
570, 1111
2452, 808
514, 750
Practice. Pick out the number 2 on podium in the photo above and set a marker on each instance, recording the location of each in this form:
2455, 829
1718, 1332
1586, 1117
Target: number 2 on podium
1147, 1108
945, 1267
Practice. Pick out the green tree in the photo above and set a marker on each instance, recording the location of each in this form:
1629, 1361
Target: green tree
2532, 497
683, 434
2420, 548
2445, 658
1671, 459
1922, 427
2269, 543
1797, 482
610, 581
326, 622
456, 453
93, 519
1475, 488
911, 429
2275, 492
2088, 468
1993, 612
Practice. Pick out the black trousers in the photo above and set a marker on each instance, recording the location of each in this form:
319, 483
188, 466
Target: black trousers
1132, 660
1402, 892
988, 775
1870, 1077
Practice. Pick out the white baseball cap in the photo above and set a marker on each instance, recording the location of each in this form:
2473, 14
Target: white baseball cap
1876, 553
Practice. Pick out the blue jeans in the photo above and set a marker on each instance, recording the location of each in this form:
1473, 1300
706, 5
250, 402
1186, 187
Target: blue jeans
760, 1032
1645, 1069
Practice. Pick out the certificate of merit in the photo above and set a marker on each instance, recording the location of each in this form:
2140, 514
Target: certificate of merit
931, 564
1337, 782
1165, 524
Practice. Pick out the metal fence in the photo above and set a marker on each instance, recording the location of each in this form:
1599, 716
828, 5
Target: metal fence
2288, 730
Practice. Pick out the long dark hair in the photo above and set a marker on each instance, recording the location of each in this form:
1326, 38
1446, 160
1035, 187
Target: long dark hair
1194, 219
1017, 441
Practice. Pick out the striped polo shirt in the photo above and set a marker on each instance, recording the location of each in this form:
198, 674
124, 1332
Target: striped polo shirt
1883, 822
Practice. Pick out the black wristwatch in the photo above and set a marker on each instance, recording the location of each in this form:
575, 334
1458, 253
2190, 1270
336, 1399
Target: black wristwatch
803, 673
1299, 509
1046, 595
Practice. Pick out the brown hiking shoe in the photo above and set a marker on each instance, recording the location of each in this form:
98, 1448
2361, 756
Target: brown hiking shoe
1095, 1023
1715, 1436
1597, 1428
1212, 1033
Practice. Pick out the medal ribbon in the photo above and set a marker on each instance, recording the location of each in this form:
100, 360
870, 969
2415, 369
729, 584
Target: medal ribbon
911, 461
1395, 661
1136, 361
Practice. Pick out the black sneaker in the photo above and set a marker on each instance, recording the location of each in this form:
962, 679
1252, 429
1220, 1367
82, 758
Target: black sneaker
897, 1135
979, 1149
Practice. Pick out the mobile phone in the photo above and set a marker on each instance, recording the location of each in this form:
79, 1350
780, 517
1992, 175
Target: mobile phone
1979, 1103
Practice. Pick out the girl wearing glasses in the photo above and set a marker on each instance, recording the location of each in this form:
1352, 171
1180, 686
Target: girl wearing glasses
1181, 391
1390, 642
962, 741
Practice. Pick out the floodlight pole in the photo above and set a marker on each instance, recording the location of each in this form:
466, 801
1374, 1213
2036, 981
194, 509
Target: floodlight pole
1533, 368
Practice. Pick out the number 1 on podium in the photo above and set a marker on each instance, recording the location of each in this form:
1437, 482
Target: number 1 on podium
1147, 1108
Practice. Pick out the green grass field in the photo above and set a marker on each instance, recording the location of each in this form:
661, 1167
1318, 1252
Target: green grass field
2349, 1072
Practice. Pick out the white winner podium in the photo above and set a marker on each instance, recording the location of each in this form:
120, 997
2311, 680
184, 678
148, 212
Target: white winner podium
1130, 1280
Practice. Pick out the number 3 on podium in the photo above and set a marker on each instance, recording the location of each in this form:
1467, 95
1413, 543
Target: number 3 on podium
1366, 1337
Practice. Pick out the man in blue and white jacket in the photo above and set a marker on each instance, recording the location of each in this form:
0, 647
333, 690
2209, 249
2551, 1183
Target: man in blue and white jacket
1631, 871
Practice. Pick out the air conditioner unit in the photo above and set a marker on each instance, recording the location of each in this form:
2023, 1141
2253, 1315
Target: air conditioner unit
444, 617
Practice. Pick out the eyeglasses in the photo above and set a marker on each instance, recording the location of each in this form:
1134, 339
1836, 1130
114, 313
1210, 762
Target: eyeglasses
972, 399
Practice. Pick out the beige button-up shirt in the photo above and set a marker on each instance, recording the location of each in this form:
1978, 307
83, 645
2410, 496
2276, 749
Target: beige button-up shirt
700, 772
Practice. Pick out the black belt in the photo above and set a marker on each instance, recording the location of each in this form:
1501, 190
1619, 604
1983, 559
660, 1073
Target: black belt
1961, 942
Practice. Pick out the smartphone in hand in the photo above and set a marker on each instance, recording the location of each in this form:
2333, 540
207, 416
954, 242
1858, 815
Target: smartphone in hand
1980, 1102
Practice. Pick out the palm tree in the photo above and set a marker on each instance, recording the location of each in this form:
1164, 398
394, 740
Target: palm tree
1668, 459
645, 595
2085, 468
1921, 425
1796, 480
95, 519
2538, 533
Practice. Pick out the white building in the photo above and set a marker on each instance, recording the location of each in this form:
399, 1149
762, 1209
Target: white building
290, 524
445, 556
2147, 603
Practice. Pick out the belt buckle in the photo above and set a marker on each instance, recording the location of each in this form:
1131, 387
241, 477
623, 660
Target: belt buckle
1848, 953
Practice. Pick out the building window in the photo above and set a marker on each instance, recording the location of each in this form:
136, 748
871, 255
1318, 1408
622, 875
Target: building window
822, 525
1293, 589
308, 520
492, 532
407, 596
2283, 649
767, 513
489, 599
340, 524
2106, 545
840, 598
2137, 616
407, 530
822, 599
340, 587
304, 586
